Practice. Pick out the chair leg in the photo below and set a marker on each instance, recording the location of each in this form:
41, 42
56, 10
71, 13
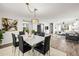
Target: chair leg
35, 53
14, 51
18, 53
32, 52
49, 52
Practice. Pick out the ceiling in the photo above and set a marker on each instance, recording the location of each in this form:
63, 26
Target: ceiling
45, 10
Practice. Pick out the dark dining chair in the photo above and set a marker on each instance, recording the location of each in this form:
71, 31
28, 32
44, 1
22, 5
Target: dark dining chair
45, 47
39, 34
21, 32
23, 47
35, 33
15, 42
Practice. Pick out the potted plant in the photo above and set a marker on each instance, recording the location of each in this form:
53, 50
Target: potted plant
33, 31
1, 36
27, 30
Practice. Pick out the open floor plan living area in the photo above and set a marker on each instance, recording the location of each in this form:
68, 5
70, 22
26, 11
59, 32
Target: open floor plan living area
39, 29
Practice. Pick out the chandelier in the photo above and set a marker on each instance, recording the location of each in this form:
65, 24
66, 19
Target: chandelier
34, 19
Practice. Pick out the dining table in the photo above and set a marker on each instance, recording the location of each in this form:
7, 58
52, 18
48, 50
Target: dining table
32, 40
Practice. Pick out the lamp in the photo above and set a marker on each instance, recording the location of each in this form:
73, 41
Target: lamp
34, 19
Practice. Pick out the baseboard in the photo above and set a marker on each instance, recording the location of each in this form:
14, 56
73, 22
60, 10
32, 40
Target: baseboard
5, 45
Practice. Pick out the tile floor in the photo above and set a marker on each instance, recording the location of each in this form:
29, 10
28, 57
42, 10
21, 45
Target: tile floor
8, 52
71, 48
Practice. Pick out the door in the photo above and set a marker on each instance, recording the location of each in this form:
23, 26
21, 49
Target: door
51, 28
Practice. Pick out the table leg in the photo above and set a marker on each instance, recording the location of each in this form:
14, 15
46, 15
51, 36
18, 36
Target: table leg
33, 50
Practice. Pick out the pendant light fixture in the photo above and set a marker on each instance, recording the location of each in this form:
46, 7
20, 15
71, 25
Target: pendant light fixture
34, 19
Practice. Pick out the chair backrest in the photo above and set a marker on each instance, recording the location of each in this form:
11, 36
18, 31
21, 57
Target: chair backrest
67, 36
14, 39
20, 42
40, 34
21, 33
47, 43
35, 33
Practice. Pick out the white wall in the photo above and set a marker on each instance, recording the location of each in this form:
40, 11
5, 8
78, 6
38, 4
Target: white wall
14, 17
46, 23
67, 17
7, 36
58, 21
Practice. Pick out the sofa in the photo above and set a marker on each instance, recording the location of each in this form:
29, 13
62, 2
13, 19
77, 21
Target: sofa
72, 37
